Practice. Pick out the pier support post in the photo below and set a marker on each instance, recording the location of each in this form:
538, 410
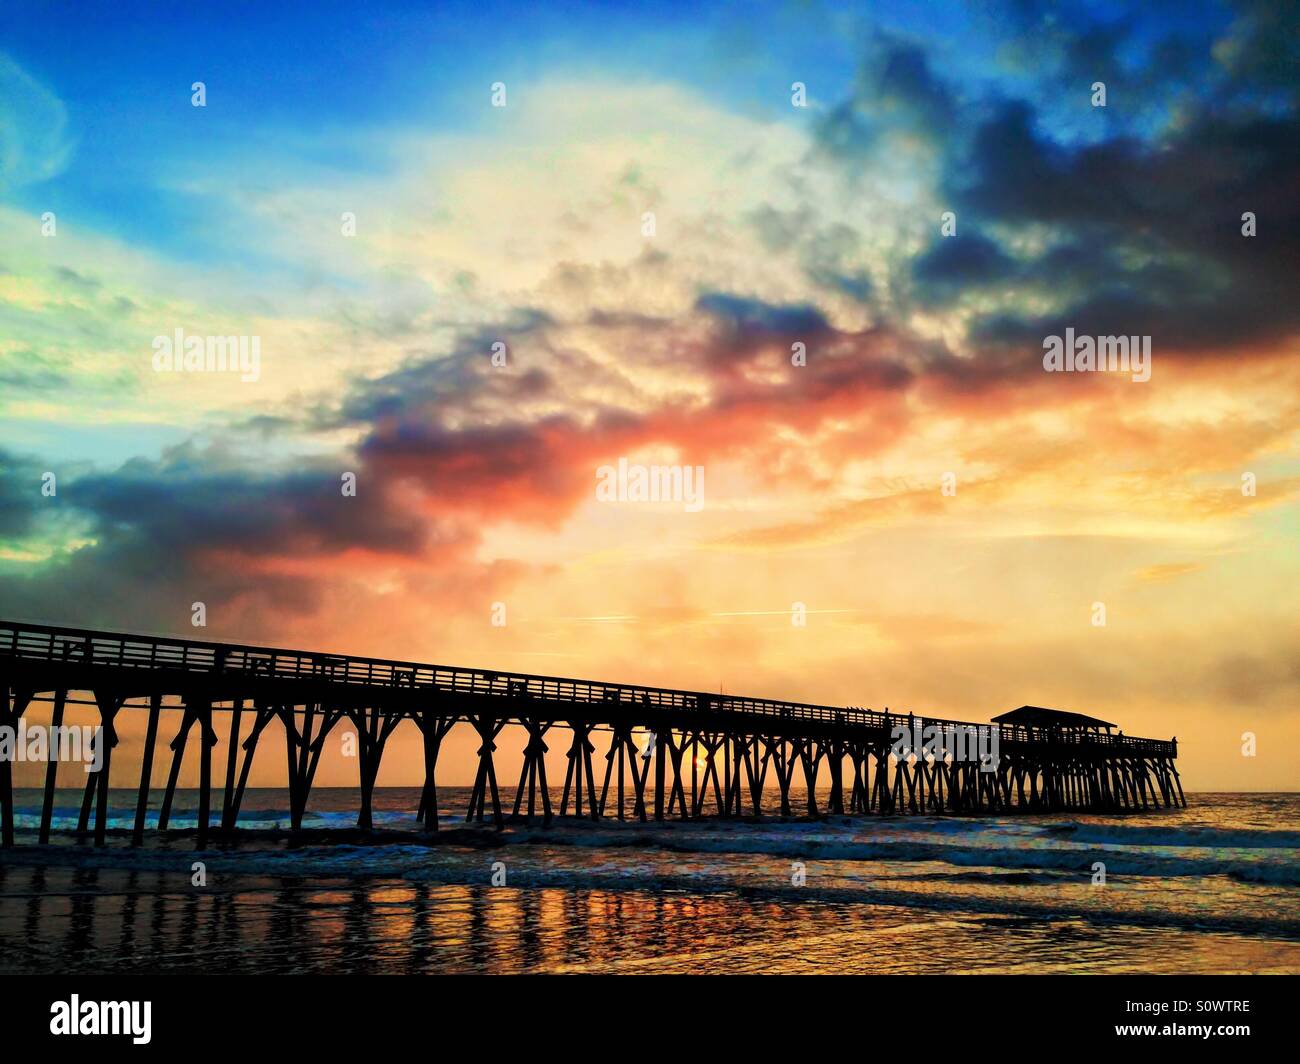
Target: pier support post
729, 788
661, 773
146, 769
858, 790
711, 741
835, 762
615, 751
109, 702
232, 755
747, 750
434, 729
640, 774
207, 740
677, 793
13, 704
810, 757
533, 773
178, 755
52, 769
264, 717
488, 729
373, 729
580, 769
303, 746
783, 758
1179, 784
623, 749
881, 795
87, 805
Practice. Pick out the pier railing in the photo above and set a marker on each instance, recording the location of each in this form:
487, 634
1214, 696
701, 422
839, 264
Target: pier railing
45, 643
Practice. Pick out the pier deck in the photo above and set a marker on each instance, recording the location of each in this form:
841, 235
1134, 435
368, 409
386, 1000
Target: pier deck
675, 752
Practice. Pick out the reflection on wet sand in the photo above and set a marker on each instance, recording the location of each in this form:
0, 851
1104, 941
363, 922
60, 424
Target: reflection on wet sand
112, 920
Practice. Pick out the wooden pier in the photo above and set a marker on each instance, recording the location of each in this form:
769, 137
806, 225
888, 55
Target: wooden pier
675, 754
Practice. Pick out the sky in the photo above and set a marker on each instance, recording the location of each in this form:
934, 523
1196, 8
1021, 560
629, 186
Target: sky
814, 252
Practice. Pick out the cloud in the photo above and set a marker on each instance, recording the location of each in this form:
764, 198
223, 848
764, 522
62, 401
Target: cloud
1155, 574
966, 261
1147, 237
153, 533
34, 140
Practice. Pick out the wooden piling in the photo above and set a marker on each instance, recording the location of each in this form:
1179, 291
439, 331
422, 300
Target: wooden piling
146, 770
232, 755
52, 768
178, 756
207, 740
109, 703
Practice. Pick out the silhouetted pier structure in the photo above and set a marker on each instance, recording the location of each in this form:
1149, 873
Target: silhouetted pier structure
696, 749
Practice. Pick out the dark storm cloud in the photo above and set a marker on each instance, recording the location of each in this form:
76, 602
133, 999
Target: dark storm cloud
1148, 54
187, 507
896, 90
1134, 232
905, 88
453, 378
20, 495
1148, 235
750, 321
953, 263
187, 528
1261, 53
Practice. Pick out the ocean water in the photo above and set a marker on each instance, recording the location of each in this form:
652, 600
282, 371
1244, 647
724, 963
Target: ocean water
1212, 888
